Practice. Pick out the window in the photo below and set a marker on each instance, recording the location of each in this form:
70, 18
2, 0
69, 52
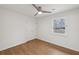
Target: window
59, 26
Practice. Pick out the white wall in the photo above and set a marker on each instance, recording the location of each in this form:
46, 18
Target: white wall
70, 39
15, 28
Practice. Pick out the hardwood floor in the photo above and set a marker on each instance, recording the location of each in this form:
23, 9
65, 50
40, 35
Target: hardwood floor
36, 47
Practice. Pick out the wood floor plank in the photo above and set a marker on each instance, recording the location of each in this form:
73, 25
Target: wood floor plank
36, 47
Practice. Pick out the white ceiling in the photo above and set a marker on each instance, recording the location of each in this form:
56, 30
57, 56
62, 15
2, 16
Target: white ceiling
29, 10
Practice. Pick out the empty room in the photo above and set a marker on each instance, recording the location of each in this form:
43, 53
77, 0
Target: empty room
39, 29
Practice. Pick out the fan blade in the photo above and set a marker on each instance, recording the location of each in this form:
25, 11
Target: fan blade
46, 11
35, 7
36, 14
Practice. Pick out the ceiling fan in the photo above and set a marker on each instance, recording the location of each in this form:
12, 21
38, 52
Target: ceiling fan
39, 9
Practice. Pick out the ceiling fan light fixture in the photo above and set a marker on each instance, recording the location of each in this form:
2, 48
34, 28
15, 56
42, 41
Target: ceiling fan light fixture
39, 12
